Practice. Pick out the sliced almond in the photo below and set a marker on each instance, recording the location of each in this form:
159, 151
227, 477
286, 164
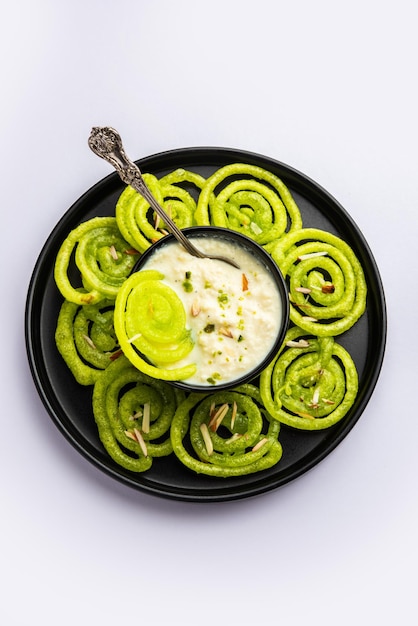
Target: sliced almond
302, 343
218, 416
306, 415
113, 253
311, 255
314, 403
221, 416
206, 438
226, 332
141, 441
260, 444
146, 417
135, 416
89, 342
195, 309
303, 290
255, 228
234, 437
234, 414
134, 337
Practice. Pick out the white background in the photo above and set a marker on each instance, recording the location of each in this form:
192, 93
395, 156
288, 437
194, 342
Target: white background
327, 87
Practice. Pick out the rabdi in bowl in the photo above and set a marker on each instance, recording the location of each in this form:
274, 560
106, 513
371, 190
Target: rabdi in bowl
201, 323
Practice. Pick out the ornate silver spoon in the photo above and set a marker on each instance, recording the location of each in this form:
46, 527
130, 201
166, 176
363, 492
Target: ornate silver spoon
107, 144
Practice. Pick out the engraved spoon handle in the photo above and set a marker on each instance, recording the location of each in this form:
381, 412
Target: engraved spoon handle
107, 144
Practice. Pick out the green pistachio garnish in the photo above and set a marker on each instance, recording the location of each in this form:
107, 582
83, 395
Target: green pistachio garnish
187, 286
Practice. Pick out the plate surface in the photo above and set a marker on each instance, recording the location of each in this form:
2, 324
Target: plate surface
69, 404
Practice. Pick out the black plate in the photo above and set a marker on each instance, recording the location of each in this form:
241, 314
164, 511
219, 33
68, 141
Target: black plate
69, 404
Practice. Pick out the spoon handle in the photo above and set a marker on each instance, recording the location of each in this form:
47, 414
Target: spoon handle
107, 144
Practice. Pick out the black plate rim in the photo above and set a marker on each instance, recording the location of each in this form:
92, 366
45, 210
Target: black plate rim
204, 156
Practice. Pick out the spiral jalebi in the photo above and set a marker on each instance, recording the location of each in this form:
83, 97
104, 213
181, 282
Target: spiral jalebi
86, 339
311, 384
327, 286
230, 433
133, 413
102, 258
251, 200
139, 225
122, 333
150, 321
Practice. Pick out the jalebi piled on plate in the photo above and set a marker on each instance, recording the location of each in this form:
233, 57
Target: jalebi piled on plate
310, 385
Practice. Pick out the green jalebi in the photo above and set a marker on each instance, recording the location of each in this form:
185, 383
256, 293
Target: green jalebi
252, 201
121, 332
150, 320
139, 225
311, 384
101, 258
133, 413
248, 444
327, 284
86, 339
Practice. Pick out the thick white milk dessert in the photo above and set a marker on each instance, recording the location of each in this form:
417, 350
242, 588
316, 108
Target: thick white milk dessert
234, 314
